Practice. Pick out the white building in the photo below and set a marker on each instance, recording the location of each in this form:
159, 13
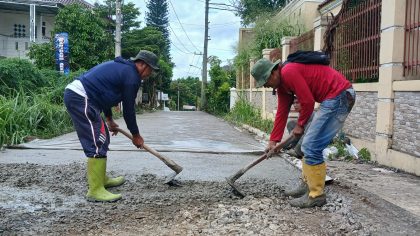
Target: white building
23, 22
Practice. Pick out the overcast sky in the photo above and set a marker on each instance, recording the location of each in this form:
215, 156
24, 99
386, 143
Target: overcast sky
224, 27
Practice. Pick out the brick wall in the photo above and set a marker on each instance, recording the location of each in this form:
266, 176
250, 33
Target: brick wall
361, 123
406, 135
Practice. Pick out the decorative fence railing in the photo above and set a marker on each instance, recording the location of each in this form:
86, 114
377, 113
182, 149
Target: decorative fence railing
303, 42
357, 42
412, 40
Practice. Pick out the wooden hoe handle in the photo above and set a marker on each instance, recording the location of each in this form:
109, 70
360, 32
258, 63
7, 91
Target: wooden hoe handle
171, 164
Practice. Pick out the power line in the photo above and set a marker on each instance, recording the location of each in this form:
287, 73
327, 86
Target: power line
173, 8
173, 31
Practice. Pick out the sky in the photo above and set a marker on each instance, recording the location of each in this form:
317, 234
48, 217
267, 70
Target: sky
186, 20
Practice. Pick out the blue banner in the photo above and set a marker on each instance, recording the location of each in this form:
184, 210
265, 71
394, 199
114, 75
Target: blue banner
61, 44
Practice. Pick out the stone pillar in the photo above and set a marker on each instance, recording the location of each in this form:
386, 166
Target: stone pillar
251, 79
233, 98
266, 53
391, 69
285, 43
320, 25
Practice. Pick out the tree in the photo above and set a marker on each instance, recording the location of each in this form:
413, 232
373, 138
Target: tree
251, 10
218, 90
157, 16
89, 43
189, 92
130, 16
149, 38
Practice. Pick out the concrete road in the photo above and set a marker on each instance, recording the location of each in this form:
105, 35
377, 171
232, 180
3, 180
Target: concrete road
208, 148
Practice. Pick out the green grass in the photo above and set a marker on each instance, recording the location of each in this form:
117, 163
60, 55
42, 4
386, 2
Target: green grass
25, 115
245, 113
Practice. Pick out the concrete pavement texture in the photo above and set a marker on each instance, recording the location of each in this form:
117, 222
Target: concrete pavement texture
42, 188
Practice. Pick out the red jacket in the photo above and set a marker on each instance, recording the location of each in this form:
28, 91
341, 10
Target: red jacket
310, 84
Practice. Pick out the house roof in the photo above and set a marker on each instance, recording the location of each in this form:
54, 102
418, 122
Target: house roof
68, 2
42, 6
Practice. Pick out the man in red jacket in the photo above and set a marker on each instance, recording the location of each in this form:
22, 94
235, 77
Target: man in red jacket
310, 83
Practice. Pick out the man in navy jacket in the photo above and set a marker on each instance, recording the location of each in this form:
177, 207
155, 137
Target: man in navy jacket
97, 91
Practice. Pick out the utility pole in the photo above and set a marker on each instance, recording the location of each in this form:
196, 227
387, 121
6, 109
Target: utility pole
178, 93
118, 28
204, 67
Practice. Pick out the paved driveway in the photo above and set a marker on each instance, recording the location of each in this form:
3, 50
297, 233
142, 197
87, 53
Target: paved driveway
208, 148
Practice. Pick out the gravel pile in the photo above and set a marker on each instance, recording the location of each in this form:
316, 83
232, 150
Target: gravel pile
38, 199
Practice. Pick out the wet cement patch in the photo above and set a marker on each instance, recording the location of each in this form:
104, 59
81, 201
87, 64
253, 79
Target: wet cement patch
46, 199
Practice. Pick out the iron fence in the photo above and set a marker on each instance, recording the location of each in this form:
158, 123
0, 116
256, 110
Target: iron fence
412, 40
357, 42
303, 42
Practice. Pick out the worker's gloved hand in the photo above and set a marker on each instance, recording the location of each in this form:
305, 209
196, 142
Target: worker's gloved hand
112, 126
138, 140
270, 146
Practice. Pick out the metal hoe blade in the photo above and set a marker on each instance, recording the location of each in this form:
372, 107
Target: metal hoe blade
236, 190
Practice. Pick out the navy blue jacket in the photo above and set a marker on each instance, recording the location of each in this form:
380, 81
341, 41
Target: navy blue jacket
112, 82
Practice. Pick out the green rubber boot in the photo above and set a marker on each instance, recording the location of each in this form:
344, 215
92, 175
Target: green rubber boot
113, 182
96, 178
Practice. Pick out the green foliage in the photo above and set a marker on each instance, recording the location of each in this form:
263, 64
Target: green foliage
268, 33
16, 74
89, 43
148, 38
245, 113
43, 55
218, 90
364, 155
189, 92
31, 101
129, 11
157, 17
30, 115
251, 10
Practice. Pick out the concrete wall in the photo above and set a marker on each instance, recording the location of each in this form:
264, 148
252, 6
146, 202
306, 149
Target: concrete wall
11, 46
300, 13
386, 116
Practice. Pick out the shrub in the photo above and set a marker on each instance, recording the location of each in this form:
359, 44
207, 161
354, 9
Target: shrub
245, 113
26, 115
16, 74
364, 154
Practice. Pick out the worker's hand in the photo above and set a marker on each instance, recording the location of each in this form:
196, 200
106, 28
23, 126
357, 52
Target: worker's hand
270, 146
112, 126
272, 152
298, 131
138, 141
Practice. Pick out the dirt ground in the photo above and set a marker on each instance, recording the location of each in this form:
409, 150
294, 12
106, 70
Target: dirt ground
38, 199
42, 189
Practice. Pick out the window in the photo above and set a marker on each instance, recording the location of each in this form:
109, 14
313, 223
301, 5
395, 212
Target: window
19, 31
26, 45
43, 28
17, 45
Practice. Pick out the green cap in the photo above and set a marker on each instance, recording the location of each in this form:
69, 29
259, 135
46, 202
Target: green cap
148, 57
261, 71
